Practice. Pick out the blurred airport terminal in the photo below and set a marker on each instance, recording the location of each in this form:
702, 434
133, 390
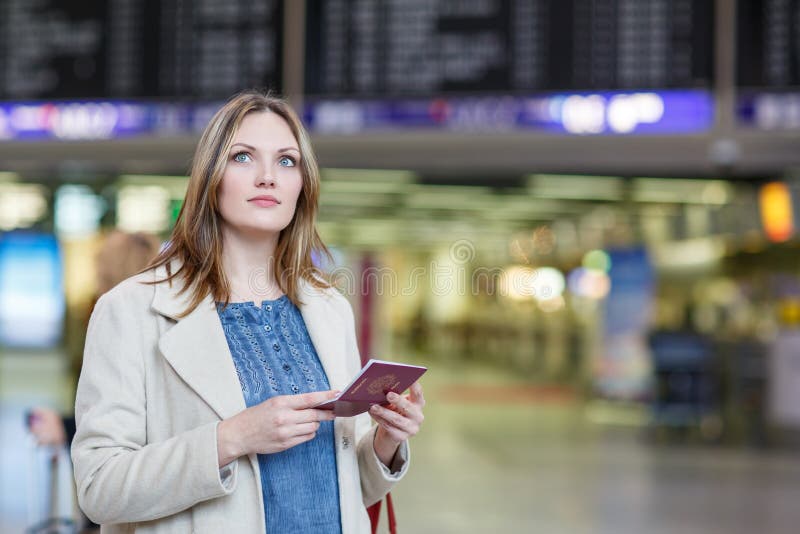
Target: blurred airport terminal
581, 215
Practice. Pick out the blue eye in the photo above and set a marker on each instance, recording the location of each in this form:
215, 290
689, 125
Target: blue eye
286, 161
241, 157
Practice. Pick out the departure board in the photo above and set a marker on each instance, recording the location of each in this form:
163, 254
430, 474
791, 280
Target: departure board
768, 43
422, 47
195, 49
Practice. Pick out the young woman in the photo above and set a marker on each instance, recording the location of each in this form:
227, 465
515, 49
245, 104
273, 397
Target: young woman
195, 407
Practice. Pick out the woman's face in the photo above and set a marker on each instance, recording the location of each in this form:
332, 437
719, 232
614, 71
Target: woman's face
262, 179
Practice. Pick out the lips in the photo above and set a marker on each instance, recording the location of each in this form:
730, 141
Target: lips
264, 201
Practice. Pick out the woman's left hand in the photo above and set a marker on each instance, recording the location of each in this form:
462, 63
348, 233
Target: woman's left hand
398, 421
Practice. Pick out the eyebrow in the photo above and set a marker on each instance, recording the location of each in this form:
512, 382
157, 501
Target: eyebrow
248, 147
253, 149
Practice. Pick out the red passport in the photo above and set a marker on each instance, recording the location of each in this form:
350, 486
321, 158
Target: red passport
370, 386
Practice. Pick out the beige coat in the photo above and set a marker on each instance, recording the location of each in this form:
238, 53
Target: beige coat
153, 389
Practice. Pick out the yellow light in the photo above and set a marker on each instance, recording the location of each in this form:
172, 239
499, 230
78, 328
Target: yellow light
143, 208
517, 282
21, 205
777, 217
551, 305
548, 283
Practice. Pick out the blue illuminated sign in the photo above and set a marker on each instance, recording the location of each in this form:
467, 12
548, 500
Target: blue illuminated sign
645, 112
76, 121
31, 291
769, 111
619, 113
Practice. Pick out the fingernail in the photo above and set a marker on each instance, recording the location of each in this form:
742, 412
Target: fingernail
392, 396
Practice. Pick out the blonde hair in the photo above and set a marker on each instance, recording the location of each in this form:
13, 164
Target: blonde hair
196, 241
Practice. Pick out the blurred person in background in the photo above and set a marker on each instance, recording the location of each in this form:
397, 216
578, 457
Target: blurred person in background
195, 406
120, 256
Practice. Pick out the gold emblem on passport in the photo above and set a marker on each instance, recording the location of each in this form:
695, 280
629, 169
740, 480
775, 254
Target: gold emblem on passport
379, 385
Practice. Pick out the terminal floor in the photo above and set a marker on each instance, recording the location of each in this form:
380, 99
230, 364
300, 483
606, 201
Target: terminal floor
541, 463
496, 455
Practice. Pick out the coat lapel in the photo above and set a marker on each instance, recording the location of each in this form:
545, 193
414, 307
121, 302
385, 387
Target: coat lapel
325, 326
198, 351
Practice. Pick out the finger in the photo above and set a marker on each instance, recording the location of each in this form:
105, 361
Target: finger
308, 400
312, 415
415, 394
394, 432
401, 405
404, 407
297, 440
304, 429
393, 418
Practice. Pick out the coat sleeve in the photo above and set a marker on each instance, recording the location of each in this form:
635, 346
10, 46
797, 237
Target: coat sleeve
376, 479
120, 477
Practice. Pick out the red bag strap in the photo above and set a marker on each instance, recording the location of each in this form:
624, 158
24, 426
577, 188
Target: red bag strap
374, 513
365, 340
390, 512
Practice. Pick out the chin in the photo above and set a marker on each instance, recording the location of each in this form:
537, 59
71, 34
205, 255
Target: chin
255, 226
263, 230
270, 228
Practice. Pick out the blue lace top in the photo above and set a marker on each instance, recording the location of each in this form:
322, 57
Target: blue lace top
273, 355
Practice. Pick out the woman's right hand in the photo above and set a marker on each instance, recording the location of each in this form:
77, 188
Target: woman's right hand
277, 424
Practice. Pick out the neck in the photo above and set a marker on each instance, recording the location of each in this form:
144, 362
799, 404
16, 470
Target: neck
248, 262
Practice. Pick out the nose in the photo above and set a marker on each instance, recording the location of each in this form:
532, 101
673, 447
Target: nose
265, 177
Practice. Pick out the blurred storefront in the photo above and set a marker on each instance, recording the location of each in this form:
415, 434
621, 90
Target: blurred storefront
560, 279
